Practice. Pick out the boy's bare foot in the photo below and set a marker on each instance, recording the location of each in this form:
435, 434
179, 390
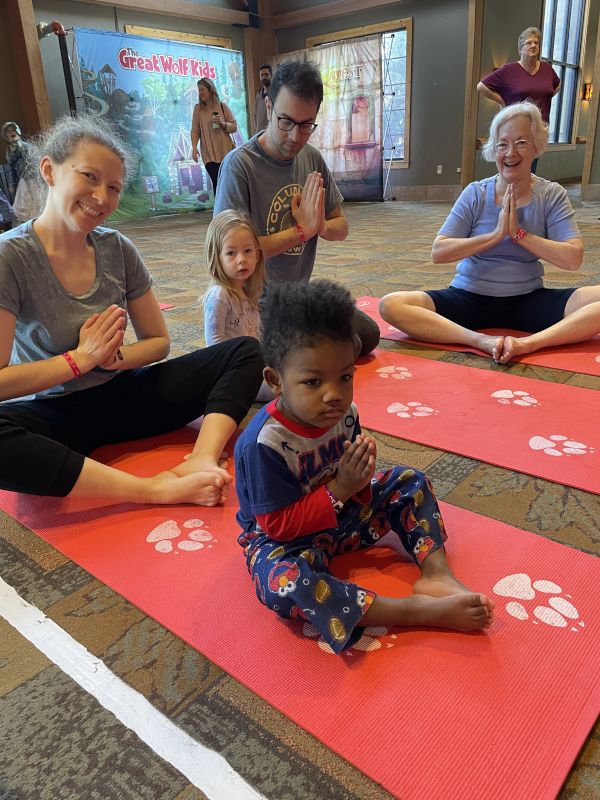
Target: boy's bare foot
459, 612
447, 586
463, 611
437, 580
200, 488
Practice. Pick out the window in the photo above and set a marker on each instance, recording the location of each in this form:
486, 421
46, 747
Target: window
393, 67
562, 36
396, 46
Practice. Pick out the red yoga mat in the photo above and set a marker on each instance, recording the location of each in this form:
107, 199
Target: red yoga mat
581, 357
429, 714
545, 429
166, 306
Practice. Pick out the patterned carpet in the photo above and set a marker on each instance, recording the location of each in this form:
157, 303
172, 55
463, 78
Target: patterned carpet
57, 742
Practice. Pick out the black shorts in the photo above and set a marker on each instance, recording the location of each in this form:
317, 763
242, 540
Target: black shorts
531, 312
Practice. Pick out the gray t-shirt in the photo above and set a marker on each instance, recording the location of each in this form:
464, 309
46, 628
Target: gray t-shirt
252, 181
48, 316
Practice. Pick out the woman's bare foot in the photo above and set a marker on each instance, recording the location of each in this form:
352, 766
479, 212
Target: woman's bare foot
201, 463
514, 346
460, 612
205, 461
488, 344
200, 488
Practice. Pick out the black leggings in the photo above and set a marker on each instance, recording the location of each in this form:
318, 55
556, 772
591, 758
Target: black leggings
213, 170
43, 442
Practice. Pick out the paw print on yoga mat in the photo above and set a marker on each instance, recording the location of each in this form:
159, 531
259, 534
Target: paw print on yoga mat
163, 536
558, 445
412, 409
517, 398
559, 611
398, 373
374, 638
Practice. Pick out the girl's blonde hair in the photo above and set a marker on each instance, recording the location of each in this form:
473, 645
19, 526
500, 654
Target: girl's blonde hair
220, 227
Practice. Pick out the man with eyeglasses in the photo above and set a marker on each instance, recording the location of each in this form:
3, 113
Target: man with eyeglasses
282, 182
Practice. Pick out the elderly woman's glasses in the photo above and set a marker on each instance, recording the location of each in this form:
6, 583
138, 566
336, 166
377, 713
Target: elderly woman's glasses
503, 147
287, 124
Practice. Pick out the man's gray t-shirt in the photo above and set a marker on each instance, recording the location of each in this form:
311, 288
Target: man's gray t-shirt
48, 316
252, 181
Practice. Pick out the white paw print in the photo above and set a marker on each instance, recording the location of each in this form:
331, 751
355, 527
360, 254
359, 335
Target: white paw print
558, 445
399, 373
559, 613
517, 398
412, 409
196, 530
370, 640
363, 303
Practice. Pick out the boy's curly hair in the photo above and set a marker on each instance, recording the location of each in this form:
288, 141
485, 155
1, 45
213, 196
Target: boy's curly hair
303, 315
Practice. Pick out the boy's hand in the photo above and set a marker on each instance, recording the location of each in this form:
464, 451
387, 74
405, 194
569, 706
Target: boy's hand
355, 469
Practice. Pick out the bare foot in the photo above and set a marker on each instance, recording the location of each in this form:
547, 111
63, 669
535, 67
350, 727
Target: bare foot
444, 584
200, 488
196, 463
460, 612
489, 344
205, 461
514, 346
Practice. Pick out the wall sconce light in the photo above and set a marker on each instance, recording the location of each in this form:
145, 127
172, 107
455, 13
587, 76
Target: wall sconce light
588, 90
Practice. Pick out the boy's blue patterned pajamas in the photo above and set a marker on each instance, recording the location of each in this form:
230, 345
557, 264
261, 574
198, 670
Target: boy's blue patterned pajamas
293, 577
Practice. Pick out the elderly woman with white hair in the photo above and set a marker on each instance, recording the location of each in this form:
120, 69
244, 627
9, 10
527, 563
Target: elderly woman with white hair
499, 231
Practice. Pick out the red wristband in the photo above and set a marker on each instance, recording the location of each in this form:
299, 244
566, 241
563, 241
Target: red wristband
301, 232
71, 362
520, 234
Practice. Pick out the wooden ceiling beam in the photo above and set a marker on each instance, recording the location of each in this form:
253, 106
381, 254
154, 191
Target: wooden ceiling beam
186, 10
334, 9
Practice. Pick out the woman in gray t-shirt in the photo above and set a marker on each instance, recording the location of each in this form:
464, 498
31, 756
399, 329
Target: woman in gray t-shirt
68, 382
499, 231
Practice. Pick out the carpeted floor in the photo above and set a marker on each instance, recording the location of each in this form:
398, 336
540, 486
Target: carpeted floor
57, 742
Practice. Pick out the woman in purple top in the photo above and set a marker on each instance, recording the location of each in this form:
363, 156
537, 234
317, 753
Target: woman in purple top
525, 79
499, 231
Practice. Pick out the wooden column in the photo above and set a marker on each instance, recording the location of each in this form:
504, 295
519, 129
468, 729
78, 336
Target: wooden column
260, 44
27, 60
475, 32
588, 157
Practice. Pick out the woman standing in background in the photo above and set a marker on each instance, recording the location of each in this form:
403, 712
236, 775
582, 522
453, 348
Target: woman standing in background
212, 124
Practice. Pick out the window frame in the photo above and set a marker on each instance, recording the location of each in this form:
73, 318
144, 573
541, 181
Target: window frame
368, 30
561, 65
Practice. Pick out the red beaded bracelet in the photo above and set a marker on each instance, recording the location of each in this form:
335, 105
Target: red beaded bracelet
71, 362
520, 234
301, 232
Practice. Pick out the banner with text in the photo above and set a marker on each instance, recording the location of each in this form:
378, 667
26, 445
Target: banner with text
148, 88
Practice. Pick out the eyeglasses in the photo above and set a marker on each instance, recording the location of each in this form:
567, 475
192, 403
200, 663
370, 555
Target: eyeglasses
287, 124
520, 145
